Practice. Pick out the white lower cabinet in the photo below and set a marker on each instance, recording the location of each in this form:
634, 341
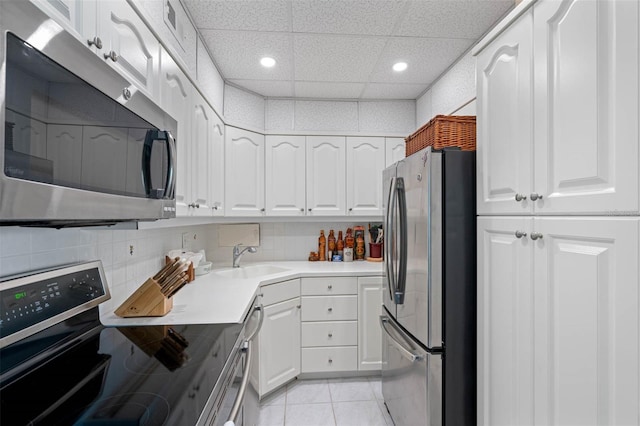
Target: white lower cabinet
558, 321
279, 338
369, 332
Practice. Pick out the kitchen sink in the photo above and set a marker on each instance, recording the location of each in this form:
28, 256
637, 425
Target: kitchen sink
252, 271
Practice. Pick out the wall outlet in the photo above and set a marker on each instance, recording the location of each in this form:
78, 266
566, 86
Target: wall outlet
187, 241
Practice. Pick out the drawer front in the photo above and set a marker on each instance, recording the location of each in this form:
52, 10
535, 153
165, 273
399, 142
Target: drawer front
279, 292
343, 358
329, 286
329, 308
333, 333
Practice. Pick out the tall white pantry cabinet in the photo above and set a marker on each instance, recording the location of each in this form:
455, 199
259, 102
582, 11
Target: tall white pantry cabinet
558, 225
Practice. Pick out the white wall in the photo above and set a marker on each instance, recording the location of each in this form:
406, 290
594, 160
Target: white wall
454, 92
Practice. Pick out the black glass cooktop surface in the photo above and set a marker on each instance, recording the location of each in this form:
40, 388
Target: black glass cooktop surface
95, 375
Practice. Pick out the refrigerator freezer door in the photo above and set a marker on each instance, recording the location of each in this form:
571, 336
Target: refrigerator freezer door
421, 312
411, 379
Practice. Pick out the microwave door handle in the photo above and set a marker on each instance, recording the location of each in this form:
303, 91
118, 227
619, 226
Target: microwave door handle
170, 184
402, 270
146, 160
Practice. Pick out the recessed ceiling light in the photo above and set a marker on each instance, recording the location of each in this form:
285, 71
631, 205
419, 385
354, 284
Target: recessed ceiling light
400, 66
267, 62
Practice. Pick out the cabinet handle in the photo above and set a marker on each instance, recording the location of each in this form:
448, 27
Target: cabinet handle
535, 196
126, 93
329, 287
330, 309
520, 197
96, 41
111, 55
330, 335
520, 234
536, 235
194, 205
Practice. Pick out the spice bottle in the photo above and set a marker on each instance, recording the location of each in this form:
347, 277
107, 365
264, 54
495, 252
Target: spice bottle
340, 244
322, 246
331, 244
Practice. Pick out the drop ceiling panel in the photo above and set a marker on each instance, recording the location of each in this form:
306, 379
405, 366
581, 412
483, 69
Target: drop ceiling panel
266, 88
238, 54
346, 17
269, 15
328, 90
393, 91
335, 58
451, 19
427, 59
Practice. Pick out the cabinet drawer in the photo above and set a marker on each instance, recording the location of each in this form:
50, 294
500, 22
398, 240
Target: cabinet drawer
329, 286
278, 292
329, 359
332, 333
329, 308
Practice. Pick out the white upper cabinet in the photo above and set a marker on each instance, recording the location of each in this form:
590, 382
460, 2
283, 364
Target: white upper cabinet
202, 130
326, 177
78, 17
216, 167
394, 150
285, 175
244, 173
365, 163
504, 124
586, 93
176, 94
128, 45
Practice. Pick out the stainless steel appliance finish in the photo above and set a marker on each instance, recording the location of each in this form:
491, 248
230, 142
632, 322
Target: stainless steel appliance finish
75, 183
428, 318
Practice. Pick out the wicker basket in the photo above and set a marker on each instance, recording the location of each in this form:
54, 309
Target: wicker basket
442, 131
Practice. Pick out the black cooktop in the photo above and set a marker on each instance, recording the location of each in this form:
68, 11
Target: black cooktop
80, 372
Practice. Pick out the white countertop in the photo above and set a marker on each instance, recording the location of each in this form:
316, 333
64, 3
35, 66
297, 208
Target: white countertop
212, 298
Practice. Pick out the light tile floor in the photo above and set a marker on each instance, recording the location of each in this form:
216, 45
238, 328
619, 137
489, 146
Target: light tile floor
332, 402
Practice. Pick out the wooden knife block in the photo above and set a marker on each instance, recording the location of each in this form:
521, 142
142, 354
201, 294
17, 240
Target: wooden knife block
146, 301
191, 274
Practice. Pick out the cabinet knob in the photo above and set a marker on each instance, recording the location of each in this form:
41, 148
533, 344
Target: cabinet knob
309, 209
215, 207
535, 196
330, 335
302, 210
350, 209
330, 309
520, 234
536, 236
329, 287
299, 306
95, 41
520, 197
262, 209
330, 361
126, 93
111, 55
194, 205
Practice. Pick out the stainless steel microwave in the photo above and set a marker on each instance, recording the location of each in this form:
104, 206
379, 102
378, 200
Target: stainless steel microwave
81, 146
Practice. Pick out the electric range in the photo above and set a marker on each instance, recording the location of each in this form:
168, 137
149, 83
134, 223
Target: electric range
73, 370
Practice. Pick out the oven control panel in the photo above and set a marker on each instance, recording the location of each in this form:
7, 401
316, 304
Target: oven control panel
40, 300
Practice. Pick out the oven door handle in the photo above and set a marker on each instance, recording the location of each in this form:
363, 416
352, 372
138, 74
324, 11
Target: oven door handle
246, 348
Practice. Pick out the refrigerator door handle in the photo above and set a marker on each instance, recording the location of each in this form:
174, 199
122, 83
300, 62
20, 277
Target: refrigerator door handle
404, 351
402, 269
389, 263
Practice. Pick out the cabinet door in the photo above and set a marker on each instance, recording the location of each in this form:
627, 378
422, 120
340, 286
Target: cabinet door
64, 148
365, 163
78, 17
216, 167
505, 323
586, 90
244, 173
505, 156
369, 332
586, 333
134, 48
326, 177
394, 150
103, 149
279, 344
176, 94
285, 175
203, 135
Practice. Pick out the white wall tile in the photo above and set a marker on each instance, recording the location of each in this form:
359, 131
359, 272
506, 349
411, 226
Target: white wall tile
209, 79
456, 87
279, 114
14, 241
423, 109
388, 116
326, 116
243, 107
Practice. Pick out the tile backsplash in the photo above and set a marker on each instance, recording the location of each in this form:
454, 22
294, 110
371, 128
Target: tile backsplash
129, 257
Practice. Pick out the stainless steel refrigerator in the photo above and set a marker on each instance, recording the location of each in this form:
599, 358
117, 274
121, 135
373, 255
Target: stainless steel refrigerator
429, 315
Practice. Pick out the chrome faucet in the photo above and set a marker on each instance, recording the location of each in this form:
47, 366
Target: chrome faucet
237, 253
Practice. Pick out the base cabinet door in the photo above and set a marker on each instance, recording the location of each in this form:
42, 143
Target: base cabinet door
369, 332
279, 345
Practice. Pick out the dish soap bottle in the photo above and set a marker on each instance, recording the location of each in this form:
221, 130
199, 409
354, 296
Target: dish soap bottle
322, 246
